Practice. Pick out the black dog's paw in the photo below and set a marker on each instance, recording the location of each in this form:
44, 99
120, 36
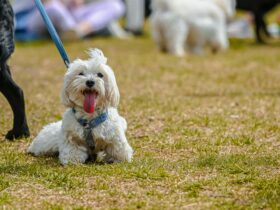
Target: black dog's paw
261, 42
12, 134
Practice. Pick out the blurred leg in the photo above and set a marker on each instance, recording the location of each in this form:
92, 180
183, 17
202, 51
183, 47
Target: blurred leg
98, 15
58, 13
135, 15
258, 28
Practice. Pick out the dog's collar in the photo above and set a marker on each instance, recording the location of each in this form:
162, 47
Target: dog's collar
93, 122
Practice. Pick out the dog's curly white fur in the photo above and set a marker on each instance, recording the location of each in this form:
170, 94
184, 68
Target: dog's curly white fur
180, 24
66, 137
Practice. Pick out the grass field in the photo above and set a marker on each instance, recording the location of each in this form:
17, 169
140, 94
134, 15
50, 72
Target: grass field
205, 130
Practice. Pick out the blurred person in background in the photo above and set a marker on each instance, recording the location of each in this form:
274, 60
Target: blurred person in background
136, 11
71, 18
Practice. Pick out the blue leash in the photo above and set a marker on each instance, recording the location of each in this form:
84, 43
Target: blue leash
53, 33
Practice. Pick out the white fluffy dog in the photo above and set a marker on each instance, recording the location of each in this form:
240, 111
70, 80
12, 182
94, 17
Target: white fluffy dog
192, 24
91, 125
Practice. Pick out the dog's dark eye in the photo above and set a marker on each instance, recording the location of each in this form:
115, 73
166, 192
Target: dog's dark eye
81, 74
99, 75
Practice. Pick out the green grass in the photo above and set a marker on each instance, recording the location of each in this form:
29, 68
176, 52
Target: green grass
205, 130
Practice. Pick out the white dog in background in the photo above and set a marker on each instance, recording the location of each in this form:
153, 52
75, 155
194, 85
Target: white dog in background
91, 125
178, 25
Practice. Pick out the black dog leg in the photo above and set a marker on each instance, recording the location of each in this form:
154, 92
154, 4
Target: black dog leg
259, 27
15, 97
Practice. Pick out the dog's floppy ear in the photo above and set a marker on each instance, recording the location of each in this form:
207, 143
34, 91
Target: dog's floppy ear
112, 90
77, 65
64, 97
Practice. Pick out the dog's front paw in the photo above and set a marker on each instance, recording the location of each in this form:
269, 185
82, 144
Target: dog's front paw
116, 154
16, 134
71, 161
77, 157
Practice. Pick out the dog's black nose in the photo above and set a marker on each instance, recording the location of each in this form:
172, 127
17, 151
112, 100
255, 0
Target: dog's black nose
90, 83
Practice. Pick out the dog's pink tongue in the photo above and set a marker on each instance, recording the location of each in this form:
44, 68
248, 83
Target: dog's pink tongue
89, 102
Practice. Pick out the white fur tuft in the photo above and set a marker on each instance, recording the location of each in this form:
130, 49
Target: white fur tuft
97, 55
